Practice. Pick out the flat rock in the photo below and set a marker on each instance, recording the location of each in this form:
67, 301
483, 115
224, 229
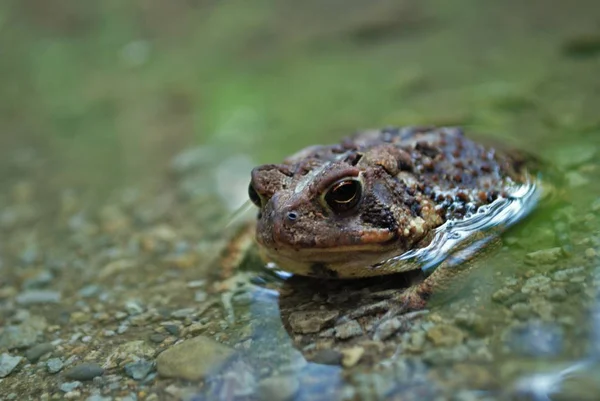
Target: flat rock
192, 359
307, 322
37, 351
8, 363
85, 371
33, 297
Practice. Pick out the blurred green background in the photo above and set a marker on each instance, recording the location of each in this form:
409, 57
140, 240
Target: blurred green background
109, 90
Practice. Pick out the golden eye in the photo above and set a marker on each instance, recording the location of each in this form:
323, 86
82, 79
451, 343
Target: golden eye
254, 196
344, 195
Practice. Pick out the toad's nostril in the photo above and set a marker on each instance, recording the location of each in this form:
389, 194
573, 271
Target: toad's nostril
292, 216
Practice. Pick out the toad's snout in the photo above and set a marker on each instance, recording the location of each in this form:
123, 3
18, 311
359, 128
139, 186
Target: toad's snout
275, 226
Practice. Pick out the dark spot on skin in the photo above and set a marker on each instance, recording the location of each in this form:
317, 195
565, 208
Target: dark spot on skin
427, 149
378, 215
320, 269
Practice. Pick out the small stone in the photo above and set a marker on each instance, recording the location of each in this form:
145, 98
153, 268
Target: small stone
69, 386
183, 313
79, 317
85, 371
278, 388
590, 253
557, 294
157, 338
351, 356
54, 365
192, 359
445, 335
307, 322
172, 329
386, 329
89, 291
36, 352
133, 308
8, 363
521, 310
538, 283
544, 256
40, 280
138, 370
502, 295
36, 297
327, 357
200, 296
348, 330
23, 335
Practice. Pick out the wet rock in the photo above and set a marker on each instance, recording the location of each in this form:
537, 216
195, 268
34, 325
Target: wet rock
36, 352
522, 311
23, 335
157, 338
139, 370
69, 386
307, 322
8, 363
348, 330
42, 279
351, 356
557, 294
192, 359
278, 388
444, 335
388, 328
54, 365
536, 339
36, 297
544, 256
85, 371
327, 357
537, 283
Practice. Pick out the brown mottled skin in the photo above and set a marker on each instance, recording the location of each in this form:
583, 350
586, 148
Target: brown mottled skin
412, 180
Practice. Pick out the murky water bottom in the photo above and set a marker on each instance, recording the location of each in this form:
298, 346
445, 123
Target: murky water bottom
111, 249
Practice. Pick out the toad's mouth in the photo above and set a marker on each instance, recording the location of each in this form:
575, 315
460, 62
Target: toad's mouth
335, 262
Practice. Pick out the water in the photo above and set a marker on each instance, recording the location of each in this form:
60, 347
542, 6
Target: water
96, 102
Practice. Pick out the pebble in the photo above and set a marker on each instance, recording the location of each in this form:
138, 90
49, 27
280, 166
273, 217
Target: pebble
544, 256
521, 310
351, 356
42, 279
133, 308
537, 283
386, 329
36, 297
85, 371
138, 370
307, 322
36, 352
8, 363
54, 365
23, 335
327, 357
69, 386
348, 330
278, 388
192, 359
445, 335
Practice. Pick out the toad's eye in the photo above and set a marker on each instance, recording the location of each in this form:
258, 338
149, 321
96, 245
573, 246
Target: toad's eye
254, 196
344, 195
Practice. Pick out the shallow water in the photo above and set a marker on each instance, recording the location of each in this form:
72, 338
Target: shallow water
127, 136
